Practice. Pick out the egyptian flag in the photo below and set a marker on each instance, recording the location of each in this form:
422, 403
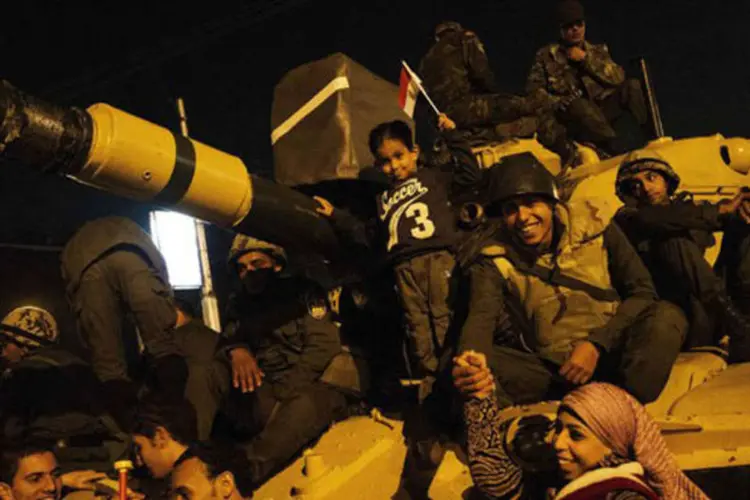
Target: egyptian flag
408, 90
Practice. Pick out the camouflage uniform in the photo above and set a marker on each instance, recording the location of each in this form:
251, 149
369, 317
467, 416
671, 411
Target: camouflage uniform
457, 75
587, 95
671, 240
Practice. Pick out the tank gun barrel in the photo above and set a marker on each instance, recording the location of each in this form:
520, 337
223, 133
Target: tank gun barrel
117, 152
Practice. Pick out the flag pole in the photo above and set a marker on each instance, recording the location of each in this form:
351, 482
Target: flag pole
419, 85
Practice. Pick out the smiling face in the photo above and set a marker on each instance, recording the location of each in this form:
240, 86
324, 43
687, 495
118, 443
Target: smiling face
37, 478
530, 220
578, 449
396, 160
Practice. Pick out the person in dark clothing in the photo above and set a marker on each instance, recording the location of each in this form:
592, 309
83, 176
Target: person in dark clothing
49, 394
561, 297
208, 378
162, 433
458, 77
113, 271
587, 89
420, 230
279, 340
671, 234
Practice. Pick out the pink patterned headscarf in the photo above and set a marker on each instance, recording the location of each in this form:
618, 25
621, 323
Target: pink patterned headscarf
623, 424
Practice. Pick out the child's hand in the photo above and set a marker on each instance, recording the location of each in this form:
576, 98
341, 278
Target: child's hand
324, 206
445, 123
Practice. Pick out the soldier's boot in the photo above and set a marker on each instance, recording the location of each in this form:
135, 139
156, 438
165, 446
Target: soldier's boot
737, 326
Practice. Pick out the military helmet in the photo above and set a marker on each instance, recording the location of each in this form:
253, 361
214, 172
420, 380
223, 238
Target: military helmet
569, 11
639, 161
243, 244
447, 26
30, 326
520, 174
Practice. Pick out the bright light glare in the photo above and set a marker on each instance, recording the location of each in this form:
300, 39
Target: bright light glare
175, 236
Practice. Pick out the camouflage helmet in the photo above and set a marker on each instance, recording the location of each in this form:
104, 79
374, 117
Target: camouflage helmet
447, 26
243, 244
639, 161
30, 326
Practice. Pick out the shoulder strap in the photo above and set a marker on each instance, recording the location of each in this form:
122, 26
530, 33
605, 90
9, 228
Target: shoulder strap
555, 277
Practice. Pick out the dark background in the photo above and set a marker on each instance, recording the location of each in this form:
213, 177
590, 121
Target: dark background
224, 58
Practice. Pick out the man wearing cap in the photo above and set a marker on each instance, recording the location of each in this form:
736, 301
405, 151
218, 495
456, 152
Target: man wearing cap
113, 271
671, 234
49, 394
458, 77
585, 86
561, 297
279, 340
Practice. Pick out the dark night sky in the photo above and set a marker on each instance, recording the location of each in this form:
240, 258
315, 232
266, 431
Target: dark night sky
224, 58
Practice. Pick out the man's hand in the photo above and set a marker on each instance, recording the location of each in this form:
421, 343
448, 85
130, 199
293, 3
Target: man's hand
82, 479
324, 206
471, 375
246, 375
580, 366
445, 123
739, 205
576, 54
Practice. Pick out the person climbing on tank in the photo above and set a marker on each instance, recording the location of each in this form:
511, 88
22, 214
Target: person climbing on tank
458, 77
561, 298
603, 444
49, 394
587, 89
278, 341
113, 271
671, 233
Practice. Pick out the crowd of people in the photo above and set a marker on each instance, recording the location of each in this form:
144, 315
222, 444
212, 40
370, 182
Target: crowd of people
540, 298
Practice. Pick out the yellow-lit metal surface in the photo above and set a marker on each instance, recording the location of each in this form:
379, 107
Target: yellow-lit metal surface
359, 458
132, 157
689, 371
726, 394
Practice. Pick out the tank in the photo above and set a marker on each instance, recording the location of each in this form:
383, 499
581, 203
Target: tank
703, 411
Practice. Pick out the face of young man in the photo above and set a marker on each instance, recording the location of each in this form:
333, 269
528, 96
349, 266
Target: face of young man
37, 478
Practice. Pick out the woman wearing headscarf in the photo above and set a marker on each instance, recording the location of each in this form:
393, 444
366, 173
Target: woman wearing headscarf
602, 445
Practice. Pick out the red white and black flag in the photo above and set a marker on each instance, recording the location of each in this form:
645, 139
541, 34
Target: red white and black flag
409, 88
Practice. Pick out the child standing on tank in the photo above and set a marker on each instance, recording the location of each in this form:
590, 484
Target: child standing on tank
419, 228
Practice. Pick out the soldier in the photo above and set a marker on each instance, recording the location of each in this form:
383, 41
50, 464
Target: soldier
585, 86
562, 298
49, 394
279, 340
113, 270
671, 234
458, 77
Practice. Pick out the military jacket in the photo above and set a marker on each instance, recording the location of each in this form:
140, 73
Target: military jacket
596, 77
